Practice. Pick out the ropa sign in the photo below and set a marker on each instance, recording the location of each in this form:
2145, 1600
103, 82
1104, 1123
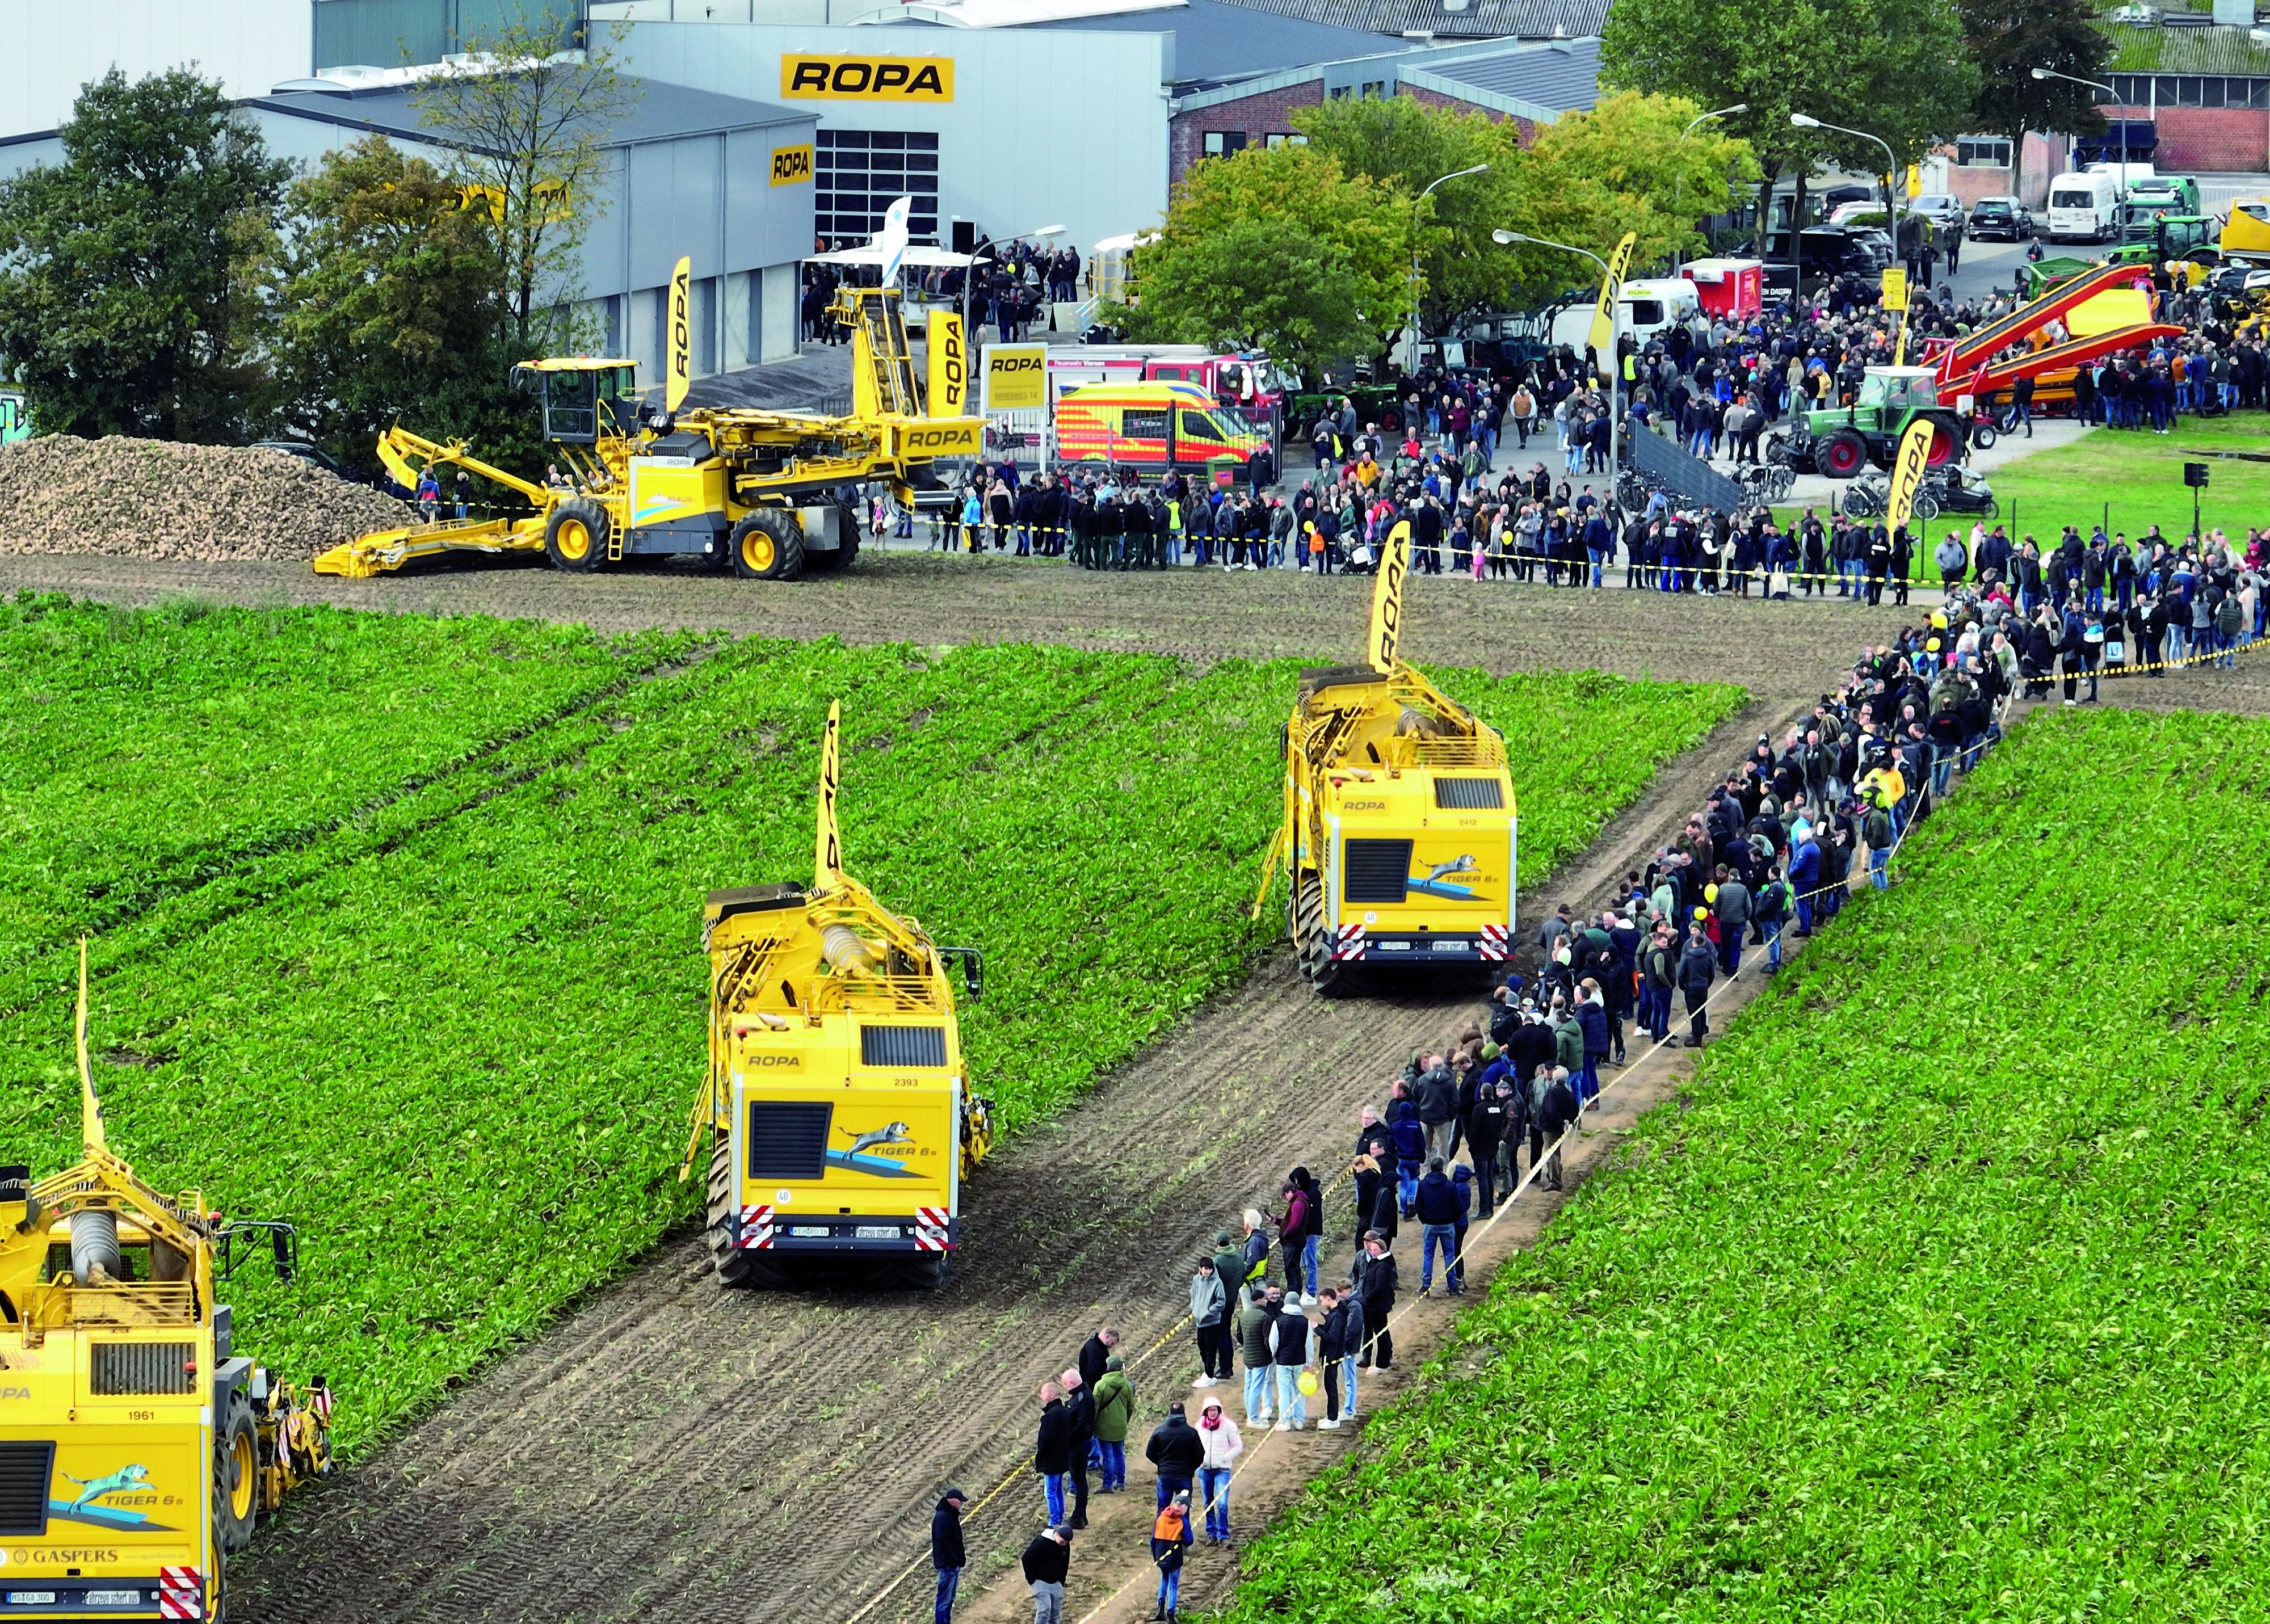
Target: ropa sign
867, 79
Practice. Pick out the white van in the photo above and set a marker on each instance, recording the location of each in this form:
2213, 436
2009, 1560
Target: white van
2083, 208
1647, 308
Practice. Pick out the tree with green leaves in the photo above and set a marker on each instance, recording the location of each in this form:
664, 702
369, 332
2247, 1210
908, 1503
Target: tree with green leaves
130, 302
528, 127
1237, 227
392, 305
1627, 165
2009, 39
1402, 141
1894, 68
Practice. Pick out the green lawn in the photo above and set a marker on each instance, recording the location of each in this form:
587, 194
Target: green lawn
420, 968
2137, 477
1939, 1294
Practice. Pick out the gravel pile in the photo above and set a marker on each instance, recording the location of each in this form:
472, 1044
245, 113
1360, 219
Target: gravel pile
154, 498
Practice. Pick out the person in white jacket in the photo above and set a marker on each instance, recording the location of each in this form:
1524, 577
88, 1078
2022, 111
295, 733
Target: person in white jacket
1219, 1435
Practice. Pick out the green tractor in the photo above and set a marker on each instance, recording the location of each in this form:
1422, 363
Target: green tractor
1845, 439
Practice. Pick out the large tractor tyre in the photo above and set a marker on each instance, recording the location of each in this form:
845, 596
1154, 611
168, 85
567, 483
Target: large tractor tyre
236, 1475
575, 535
836, 559
732, 1263
926, 1271
1330, 977
736, 1269
1945, 443
768, 546
1841, 455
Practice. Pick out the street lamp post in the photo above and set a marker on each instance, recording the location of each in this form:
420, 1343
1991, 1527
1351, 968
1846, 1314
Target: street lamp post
1679, 195
1614, 363
1416, 339
2113, 97
1891, 165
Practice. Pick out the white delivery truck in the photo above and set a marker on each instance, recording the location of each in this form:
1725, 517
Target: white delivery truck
2083, 208
1646, 309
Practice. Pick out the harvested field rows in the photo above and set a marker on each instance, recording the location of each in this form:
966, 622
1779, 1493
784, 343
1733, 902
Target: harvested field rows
1943, 1298
478, 989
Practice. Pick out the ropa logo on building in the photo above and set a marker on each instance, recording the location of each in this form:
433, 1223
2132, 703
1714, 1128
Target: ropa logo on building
867, 79
791, 165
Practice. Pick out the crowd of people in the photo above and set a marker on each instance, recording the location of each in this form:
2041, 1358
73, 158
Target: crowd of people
1774, 852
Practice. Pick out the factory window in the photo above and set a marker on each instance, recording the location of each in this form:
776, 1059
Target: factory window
1281, 138
1376, 89
1222, 143
1982, 153
1339, 92
858, 174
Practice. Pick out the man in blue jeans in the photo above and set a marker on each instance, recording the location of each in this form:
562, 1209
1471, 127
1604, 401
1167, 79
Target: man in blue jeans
1437, 1212
1052, 1452
946, 1550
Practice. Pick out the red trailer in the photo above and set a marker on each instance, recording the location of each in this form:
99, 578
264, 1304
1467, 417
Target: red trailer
1734, 288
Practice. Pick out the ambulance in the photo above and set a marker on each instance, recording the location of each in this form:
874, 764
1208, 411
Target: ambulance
1150, 425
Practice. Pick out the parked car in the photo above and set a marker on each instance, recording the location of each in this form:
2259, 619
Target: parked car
1942, 209
2005, 218
1876, 241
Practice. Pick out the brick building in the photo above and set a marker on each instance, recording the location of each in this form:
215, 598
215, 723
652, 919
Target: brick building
1531, 83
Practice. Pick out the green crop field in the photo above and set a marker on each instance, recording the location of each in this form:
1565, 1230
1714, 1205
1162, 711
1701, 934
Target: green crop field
426, 977
1943, 1297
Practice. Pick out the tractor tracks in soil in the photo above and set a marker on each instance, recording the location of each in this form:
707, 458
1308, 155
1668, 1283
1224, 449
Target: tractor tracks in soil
673, 1452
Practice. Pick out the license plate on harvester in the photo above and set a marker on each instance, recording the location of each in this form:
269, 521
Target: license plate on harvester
1450, 946
877, 1232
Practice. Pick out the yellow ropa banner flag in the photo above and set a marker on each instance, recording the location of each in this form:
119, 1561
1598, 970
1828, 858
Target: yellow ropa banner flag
1908, 464
1603, 336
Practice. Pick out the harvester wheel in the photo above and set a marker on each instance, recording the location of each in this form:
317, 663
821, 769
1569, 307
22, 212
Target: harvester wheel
768, 546
732, 1262
575, 535
927, 1271
236, 1474
1327, 974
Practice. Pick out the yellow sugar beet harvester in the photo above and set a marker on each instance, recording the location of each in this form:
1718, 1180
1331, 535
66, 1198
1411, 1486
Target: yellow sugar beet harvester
137, 1449
838, 1111
1399, 831
770, 495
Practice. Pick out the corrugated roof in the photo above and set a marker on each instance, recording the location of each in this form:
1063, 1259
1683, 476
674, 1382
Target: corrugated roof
1481, 19
1563, 75
1218, 43
661, 112
2220, 48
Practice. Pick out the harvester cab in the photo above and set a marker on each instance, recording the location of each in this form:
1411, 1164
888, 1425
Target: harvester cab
1400, 830
139, 1448
836, 1106
584, 402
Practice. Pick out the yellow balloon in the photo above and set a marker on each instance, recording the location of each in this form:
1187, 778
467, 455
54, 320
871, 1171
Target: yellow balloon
1709, 893
1308, 1384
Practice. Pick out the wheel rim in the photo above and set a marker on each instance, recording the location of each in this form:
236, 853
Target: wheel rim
1942, 446
246, 1474
758, 550
1843, 455
575, 539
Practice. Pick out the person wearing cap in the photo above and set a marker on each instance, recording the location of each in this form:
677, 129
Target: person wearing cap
1222, 1444
1170, 1536
1114, 1412
1047, 1563
947, 1557
1290, 1340
1177, 1452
